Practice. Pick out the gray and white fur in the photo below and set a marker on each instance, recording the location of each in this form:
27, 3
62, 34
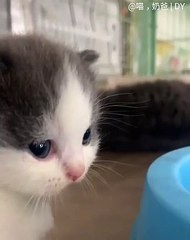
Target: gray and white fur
47, 104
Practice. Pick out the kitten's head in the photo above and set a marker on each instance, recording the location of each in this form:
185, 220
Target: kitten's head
48, 115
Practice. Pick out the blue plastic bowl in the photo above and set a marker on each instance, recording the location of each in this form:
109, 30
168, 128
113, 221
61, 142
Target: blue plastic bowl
165, 207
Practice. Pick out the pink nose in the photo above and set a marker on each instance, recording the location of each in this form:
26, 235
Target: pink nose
75, 173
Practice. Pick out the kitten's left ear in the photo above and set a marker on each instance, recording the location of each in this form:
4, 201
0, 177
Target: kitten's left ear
89, 56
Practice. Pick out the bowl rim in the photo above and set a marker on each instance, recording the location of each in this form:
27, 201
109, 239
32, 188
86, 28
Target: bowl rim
164, 181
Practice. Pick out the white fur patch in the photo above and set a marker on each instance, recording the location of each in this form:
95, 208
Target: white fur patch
21, 222
74, 111
73, 117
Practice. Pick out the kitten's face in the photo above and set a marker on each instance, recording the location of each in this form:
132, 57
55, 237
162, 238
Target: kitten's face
48, 118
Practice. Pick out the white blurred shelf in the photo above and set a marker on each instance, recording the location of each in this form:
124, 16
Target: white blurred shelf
82, 24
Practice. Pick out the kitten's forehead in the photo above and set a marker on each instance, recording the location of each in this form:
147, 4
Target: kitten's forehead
38, 71
74, 109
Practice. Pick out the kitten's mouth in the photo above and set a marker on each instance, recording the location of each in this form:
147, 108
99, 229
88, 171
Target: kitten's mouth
57, 185
54, 186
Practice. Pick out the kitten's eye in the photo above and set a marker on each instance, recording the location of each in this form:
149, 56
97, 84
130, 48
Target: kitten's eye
41, 149
87, 137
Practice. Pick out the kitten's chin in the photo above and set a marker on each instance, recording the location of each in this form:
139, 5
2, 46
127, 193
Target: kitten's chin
57, 188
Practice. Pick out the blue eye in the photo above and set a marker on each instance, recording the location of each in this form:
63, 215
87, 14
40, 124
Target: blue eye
41, 149
87, 137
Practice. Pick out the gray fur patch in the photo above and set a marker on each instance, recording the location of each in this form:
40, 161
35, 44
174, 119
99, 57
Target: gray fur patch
32, 70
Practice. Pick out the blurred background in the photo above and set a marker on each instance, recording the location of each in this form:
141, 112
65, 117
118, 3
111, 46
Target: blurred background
137, 41
145, 39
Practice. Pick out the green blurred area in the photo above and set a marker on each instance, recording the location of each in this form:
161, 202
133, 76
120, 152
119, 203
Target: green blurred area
158, 41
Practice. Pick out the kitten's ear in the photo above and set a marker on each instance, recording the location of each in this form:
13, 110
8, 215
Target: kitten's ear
5, 62
89, 56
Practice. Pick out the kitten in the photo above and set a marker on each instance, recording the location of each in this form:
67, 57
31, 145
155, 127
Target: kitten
48, 129
146, 117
